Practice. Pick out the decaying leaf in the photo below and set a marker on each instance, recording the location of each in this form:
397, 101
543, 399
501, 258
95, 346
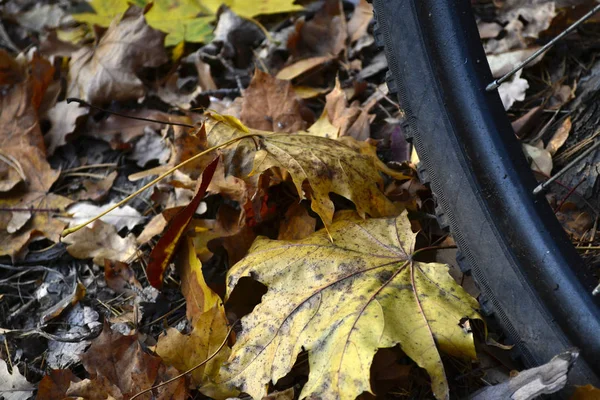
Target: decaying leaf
100, 241
358, 24
55, 385
298, 68
351, 120
271, 104
326, 165
30, 211
165, 248
119, 367
13, 386
560, 136
297, 223
342, 301
107, 71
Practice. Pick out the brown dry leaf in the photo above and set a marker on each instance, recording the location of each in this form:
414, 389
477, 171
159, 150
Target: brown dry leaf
55, 385
587, 392
560, 136
575, 221
101, 241
95, 190
299, 67
342, 301
327, 166
324, 35
271, 104
324, 128
352, 120
19, 102
297, 224
63, 117
107, 71
120, 277
359, 22
523, 21
33, 206
119, 365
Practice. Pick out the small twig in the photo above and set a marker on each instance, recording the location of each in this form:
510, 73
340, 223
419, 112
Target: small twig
68, 231
191, 369
84, 167
85, 103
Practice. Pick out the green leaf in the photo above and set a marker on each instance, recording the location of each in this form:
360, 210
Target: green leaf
182, 20
104, 12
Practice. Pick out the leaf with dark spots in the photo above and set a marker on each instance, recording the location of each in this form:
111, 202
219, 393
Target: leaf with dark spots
342, 301
163, 252
326, 165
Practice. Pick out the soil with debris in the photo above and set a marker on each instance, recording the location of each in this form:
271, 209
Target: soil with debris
139, 297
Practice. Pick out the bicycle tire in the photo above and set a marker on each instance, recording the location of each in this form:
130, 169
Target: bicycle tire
530, 276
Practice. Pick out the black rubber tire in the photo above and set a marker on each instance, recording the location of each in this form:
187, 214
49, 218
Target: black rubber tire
529, 274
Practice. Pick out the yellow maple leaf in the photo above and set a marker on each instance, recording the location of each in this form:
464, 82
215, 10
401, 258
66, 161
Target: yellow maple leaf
327, 166
252, 8
104, 12
342, 301
210, 327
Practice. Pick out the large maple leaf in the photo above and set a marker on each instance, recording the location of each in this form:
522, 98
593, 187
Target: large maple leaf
318, 166
342, 301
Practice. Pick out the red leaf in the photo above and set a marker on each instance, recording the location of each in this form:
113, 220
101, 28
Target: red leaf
163, 252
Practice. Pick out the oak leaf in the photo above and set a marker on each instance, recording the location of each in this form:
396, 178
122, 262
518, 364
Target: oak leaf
327, 166
107, 71
342, 301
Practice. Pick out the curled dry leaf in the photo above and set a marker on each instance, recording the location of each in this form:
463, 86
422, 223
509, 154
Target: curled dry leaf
107, 71
342, 301
210, 327
100, 241
351, 120
560, 136
358, 24
271, 104
540, 159
326, 165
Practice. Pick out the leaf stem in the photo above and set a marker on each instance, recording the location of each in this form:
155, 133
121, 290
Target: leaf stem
68, 231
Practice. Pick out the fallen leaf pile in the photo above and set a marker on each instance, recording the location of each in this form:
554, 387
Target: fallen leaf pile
270, 246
